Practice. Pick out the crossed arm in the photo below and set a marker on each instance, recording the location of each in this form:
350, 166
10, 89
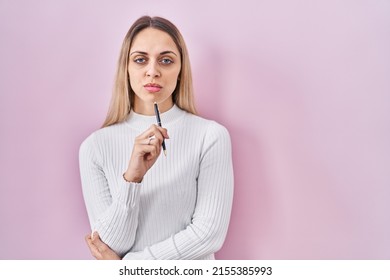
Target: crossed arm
207, 231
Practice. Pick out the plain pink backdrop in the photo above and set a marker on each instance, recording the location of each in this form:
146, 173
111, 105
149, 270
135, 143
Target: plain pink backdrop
302, 86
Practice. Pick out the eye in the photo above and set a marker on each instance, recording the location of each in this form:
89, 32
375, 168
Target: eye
139, 60
166, 61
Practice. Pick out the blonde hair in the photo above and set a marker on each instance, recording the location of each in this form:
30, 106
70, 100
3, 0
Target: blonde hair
122, 99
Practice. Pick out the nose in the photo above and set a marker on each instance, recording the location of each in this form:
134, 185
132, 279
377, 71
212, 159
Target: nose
153, 70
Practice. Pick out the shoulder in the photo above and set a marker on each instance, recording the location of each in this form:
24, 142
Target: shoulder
88, 147
214, 140
210, 131
105, 133
210, 128
99, 138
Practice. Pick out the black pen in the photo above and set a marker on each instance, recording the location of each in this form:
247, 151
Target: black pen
159, 124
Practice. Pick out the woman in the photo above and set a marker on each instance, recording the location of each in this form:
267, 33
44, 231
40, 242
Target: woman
142, 205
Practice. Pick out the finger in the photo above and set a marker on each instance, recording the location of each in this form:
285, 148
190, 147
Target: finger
149, 132
101, 249
96, 240
158, 137
99, 244
152, 151
87, 239
154, 140
164, 132
154, 130
158, 145
142, 153
92, 248
150, 140
143, 149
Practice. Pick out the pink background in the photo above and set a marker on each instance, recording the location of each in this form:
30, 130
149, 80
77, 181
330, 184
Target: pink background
302, 86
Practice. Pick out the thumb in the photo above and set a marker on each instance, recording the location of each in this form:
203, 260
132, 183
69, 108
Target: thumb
95, 235
100, 245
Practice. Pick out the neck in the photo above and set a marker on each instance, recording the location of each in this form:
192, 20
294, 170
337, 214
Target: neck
142, 122
147, 108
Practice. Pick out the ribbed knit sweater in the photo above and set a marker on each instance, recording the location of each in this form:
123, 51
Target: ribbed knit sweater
181, 209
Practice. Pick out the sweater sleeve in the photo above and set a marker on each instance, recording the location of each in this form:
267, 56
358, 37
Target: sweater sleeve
113, 215
207, 231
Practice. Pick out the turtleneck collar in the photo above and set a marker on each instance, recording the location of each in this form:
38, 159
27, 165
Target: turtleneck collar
142, 122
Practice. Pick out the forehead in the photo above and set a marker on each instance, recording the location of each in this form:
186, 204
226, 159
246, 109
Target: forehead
153, 40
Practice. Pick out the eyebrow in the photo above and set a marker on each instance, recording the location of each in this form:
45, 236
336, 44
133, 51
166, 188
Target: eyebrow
161, 53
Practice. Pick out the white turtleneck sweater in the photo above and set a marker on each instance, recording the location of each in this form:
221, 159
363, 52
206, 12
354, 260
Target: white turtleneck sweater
181, 209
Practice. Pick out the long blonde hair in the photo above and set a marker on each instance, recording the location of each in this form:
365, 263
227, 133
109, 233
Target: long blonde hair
122, 99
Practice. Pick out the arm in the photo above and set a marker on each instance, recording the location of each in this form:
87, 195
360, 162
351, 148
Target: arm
113, 215
206, 233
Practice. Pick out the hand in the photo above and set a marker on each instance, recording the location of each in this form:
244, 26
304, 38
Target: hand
99, 249
146, 150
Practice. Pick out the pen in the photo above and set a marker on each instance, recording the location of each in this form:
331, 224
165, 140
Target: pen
159, 124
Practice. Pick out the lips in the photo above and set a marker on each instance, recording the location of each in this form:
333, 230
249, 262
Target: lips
153, 87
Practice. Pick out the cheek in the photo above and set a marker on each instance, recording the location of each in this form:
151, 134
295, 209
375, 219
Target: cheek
133, 77
174, 75
173, 80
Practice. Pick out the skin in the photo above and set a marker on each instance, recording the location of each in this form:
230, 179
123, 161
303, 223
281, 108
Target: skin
154, 58
99, 249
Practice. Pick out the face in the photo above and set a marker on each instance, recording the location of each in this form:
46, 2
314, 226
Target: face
154, 67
